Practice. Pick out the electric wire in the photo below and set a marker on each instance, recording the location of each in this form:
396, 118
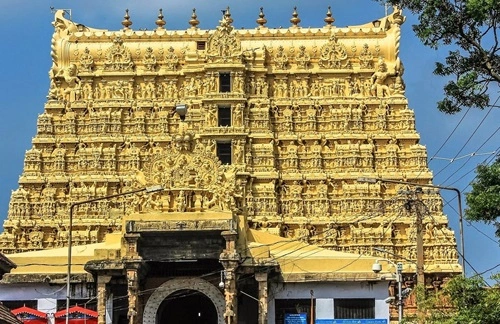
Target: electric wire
466, 142
451, 134
472, 155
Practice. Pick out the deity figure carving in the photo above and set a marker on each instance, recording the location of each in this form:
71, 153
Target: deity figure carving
35, 237
281, 88
260, 87
223, 45
399, 84
315, 154
180, 201
237, 113
149, 60
332, 54
302, 233
292, 155
191, 87
171, 90
238, 82
365, 57
73, 89
392, 150
331, 233
281, 59
87, 61
118, 57
302, 58
211, 115
314, 90
379, 87
238, 154
171, 59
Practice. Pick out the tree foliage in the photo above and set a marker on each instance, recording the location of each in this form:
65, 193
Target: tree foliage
472, 301
483, 201
463, 300
470, 28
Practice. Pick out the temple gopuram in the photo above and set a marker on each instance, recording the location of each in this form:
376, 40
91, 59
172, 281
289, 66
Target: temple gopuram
259, 143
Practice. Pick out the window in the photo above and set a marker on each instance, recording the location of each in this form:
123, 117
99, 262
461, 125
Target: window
200, 45
224, 82
224, 116
354, 308
224, 152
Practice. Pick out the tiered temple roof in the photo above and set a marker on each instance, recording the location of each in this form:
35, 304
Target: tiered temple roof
281, 124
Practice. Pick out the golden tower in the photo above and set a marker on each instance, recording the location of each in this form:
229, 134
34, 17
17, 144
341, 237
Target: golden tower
269, 129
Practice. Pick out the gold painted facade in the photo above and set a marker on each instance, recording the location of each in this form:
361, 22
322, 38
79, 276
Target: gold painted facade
300, 113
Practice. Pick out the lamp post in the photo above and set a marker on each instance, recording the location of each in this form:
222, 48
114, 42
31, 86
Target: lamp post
377, 267
459, 196
70, 229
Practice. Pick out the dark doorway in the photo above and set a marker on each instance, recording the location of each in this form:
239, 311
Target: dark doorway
187, 307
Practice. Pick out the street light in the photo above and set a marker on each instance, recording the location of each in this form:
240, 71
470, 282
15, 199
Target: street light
377, 267
150, 189
459, 196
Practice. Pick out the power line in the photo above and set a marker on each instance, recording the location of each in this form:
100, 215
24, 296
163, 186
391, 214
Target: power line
467, 141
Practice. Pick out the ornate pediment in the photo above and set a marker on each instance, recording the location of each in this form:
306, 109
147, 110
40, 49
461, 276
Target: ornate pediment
193, 178
333, 54
118, 57
224, 46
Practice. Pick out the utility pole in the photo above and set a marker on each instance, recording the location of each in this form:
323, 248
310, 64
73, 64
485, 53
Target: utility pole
416, 203
423, 185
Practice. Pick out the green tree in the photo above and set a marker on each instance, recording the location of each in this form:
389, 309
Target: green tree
473, 303
483, 201
462, 301
470, 29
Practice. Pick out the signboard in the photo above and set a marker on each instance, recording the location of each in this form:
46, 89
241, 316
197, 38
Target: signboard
351, 321
296, 318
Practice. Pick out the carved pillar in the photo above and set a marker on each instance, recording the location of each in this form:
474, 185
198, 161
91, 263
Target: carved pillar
261, 278
102, 296
132, 267
133, 289
229, 258
131, 240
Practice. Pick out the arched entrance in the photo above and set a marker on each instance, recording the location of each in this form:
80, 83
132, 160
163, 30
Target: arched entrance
187, 307
194, 300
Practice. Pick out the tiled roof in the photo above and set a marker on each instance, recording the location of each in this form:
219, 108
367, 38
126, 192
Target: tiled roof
6, 316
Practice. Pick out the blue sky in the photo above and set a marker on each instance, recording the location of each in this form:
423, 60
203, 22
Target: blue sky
25, 26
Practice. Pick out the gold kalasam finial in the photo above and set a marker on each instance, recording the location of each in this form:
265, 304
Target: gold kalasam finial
329, 19
160, 22
227, 16
295, 18
194, 22
126, 21
261, 20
